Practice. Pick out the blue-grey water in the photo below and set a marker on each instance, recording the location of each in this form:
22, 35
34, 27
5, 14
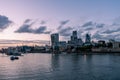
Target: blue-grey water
60, 67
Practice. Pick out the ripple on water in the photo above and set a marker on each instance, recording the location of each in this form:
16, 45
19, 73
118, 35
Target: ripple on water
60, 67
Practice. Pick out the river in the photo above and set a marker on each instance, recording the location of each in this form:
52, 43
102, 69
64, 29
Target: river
40, 66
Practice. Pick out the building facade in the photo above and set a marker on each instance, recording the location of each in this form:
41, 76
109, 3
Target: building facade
88, 39
54, 39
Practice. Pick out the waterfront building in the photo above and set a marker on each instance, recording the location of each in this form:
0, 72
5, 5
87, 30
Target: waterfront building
62, 45
102, 42
80, 42
54, 39
55, 42
88, 39
74, 40
116, 45
75, 34
111, 40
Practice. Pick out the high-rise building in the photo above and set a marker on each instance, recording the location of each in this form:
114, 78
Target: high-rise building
74, 37
55, 39
75, 34
80, 42
88, 39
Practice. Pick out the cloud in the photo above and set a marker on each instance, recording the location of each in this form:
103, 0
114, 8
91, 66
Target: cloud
4, 22
100, 25
62, 23
89, 29
66, 31
27, 20
5, 41
93, 24
26, 28
87, 24
97, 30
42, 22
111, 31
97, 36
41, 30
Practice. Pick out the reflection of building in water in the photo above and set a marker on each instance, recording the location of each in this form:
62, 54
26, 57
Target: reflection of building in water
55, 62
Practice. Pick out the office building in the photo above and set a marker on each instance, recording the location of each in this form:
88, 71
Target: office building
88, 39
55, 39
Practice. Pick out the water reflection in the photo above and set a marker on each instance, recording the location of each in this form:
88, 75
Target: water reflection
60, 67
55, 63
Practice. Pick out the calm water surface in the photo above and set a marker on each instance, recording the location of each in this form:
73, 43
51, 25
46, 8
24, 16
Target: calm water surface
60, 67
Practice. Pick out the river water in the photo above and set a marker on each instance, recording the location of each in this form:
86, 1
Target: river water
41, 66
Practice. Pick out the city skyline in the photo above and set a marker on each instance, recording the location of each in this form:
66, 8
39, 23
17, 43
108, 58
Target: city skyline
36, 20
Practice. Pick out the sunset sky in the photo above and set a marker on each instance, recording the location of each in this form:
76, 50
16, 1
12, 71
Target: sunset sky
37, 19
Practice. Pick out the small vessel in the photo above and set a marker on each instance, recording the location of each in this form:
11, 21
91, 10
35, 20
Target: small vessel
14, 58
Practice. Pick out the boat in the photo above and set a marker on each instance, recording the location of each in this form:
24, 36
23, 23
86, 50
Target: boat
14, 58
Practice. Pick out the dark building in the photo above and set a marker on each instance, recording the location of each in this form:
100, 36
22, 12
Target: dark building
54, 39
88, 39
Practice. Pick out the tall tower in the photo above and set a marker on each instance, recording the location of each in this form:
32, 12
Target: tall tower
75, 34
74, 38
88, 39
54, 39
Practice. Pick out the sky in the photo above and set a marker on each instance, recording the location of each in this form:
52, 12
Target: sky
37, 19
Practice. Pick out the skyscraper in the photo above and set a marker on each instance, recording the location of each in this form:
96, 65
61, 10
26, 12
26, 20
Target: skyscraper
55, 39
75, 34
74, 37
80, 42
88, 39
